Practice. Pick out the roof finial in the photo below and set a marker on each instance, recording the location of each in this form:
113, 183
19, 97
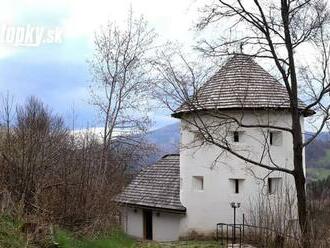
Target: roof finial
241, 47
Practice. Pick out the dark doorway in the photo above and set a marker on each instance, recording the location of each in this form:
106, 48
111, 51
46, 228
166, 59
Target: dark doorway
147, 224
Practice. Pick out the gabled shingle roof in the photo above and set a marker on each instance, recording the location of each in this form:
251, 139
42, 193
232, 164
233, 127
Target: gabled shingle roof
157, 186
240, 83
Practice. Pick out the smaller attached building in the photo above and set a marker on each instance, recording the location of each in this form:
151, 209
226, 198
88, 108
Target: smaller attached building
151, 202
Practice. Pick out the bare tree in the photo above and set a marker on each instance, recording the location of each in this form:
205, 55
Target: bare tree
51, 173
119, 67
274, 30
32, 148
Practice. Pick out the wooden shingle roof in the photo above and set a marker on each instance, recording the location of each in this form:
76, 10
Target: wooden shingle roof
240, 84
157, 186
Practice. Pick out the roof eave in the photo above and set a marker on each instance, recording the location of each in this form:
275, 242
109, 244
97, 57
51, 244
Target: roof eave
179, 114
165, 209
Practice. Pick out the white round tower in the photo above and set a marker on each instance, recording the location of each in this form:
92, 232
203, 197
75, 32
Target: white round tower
232, 133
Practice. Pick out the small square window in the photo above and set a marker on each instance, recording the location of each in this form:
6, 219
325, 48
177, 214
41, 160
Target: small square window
274, 185
198, 183
275, 138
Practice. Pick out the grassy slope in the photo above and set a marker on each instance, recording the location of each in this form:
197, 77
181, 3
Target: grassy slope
120, 240
116, 240
12, 237
10, 233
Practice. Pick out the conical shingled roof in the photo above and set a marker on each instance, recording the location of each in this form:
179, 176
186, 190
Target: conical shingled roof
241, 83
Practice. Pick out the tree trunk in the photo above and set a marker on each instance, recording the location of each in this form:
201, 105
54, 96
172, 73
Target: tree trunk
298, 162
302, 210
299, 177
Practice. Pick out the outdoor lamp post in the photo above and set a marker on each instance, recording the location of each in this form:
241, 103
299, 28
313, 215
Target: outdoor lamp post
235, 205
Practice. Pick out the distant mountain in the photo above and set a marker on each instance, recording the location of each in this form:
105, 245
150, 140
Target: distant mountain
166, 139
168, 135
323, 136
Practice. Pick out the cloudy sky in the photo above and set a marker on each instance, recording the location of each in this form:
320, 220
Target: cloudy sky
56, 71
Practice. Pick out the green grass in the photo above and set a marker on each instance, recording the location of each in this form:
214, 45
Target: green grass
120, 240
317, 173
10, 233
116, 240
12, 237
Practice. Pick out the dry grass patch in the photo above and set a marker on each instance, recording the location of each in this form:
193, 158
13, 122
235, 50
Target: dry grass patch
180, 244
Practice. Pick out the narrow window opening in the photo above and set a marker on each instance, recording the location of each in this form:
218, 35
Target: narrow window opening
236, 136
270, 186
236, 186
271, 138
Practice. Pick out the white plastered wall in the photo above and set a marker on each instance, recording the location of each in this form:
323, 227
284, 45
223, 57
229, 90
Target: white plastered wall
165, 224
212, 205
132, 221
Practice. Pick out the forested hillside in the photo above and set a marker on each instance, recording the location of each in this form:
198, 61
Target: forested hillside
318, 157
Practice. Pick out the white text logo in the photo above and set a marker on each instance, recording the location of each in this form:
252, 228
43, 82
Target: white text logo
29, 35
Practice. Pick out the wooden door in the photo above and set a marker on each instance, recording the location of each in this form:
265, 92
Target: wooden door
147, 224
